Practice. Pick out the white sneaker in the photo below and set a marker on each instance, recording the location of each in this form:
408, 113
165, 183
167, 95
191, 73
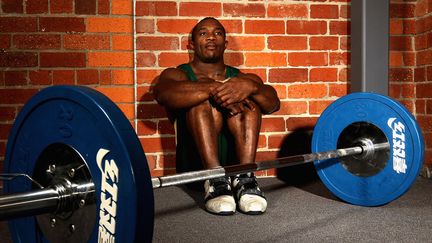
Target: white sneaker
218, 196
249, 197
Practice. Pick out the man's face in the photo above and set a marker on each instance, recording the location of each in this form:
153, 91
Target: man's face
208, 41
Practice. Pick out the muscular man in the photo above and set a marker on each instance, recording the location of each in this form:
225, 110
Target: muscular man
214, 104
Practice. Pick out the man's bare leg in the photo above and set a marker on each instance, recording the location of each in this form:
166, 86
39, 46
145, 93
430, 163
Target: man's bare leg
204, 124
245, 128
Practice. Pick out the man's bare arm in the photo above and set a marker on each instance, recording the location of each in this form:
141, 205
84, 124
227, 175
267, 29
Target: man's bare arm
247, 86
174, 90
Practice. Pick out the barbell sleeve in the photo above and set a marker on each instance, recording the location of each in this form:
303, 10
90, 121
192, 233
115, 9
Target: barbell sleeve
194, 176
48, 200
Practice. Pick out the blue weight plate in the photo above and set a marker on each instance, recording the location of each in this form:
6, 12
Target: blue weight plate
395, 123
89, 122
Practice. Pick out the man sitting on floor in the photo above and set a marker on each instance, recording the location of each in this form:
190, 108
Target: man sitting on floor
211, 103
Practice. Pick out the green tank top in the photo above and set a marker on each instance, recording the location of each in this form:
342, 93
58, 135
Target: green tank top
187, 156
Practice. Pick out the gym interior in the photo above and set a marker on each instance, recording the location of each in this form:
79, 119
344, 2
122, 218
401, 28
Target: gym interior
312, 52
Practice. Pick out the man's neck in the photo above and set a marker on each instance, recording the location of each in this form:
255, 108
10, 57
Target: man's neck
211, 70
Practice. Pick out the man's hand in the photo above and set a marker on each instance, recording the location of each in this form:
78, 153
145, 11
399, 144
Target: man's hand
237, 108
235, 90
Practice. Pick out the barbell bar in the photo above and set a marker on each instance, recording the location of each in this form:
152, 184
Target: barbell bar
76, 140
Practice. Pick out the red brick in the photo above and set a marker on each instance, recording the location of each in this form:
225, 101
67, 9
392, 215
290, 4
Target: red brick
421, 42
61, 6
281, 91
200, 9
37, 41
345, 11
324, 74
285, 75
86, 42
146, 128
344, 74
167, 161
265, 59
5, 41
424, 57
287, 10
425, 122
273, 124
152, 145
324, 43
429, 106
87, 76
404, 10
20, 96
395, 59
338, 90
103, 6
340, 58
317, 107
244, 10
409, 58
118, 94
110, 59
156, 8
7, 113
287, 42
232, 26
324, 11
183, 26
146, 59
300, 123
419, 74
234, 59
165, 127
401, 43
18, 59
61, 24
264, 27
292, 108
261, 72
170, 59
18, 24
157, 43
396, 27
307, 91
345, 43
85, 6
110, 25
122, 76
420, 106
62, 59
306, 27
275, 141
145, 26
401, 74
120, 7
246, 43
122, 42
340, 27
147, 76
308, 59
40, 77
36, 6
63, 77
424, 90
5, 130
151, 111
12, 6
105, 77
15, 78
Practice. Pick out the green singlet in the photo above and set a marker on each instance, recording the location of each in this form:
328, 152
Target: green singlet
187, 156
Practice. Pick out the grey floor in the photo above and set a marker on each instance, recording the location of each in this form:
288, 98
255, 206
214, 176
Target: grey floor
306, 213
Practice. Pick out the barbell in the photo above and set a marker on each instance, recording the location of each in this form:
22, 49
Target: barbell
75, 171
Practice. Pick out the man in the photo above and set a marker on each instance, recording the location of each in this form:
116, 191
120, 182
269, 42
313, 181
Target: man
214, 104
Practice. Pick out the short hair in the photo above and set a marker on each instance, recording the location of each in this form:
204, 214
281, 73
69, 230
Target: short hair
195, 28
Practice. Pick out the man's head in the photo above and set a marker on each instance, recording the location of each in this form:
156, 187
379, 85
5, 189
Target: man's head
209, 40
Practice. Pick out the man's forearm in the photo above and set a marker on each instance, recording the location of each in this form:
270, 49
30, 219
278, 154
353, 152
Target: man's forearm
183, 94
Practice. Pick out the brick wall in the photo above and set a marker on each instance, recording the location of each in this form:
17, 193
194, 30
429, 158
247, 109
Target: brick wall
299, 47
410, 62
